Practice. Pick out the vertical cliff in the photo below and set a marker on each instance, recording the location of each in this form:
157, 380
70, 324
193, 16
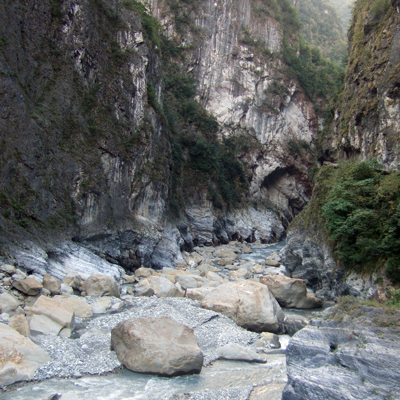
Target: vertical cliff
83, 153
234, 50
356, 204
366, 121
132, 130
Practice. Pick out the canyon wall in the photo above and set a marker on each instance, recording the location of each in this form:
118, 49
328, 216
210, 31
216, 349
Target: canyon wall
86, 156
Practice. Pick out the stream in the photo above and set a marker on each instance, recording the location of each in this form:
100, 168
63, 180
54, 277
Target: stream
220, 380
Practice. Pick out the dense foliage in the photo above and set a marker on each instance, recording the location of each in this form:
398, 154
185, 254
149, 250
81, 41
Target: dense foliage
322, 28
343, 8
319, 78
360, 207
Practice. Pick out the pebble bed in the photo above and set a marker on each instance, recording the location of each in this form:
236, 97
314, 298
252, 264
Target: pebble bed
91, 354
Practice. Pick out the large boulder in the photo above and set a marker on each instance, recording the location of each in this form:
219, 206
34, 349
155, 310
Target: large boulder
159, 346
290, 292
30, 285
250, 304
162, 287
19, 356
98, 285
50, 316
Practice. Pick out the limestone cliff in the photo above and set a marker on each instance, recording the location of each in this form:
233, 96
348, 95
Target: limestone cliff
364, 125
366, 122
86, 145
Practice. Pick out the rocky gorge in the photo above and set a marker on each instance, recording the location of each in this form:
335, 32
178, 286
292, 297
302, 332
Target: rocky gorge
154, 156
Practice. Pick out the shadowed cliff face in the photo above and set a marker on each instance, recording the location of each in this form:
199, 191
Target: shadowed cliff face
85, 150
366, 122
82, 152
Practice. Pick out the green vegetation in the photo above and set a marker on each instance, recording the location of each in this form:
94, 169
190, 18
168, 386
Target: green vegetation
359, 206
322, 28
199, 160
385, 315
343, 9
319, 78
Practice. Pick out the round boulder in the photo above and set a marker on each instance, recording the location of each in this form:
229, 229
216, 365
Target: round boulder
250, 304
98, 285
158, 346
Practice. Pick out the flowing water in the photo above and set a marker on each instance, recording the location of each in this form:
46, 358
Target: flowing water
128, 385
264, 381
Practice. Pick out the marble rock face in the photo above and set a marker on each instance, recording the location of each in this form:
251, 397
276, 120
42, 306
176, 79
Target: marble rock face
159, 346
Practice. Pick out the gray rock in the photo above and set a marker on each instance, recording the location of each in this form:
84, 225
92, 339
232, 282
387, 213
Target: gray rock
98, 285
249, 304
294, 323
309, 259
343, 356
157, 346
234, 351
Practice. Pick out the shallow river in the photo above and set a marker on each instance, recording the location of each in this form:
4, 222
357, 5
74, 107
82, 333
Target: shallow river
222, 380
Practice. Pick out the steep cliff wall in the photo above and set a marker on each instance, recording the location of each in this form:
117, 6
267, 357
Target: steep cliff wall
88, 147
234, 50
366, 122
82, 151
365, 125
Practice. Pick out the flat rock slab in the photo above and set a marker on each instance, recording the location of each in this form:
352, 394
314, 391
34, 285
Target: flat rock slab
346, 356
237, 352
158, 346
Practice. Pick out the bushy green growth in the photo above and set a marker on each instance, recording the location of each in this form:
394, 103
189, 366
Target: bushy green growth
318, 77
322, 28
360, 208
297, 146
199, 160
380, 8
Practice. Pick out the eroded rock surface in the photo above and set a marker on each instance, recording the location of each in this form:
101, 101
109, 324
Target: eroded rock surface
353, 352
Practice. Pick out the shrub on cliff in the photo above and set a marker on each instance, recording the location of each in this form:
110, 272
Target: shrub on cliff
362, 215
358, 204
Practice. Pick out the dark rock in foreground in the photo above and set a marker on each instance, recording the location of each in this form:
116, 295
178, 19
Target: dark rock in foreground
353, 353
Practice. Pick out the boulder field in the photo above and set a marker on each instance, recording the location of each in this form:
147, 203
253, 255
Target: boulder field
217, 304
